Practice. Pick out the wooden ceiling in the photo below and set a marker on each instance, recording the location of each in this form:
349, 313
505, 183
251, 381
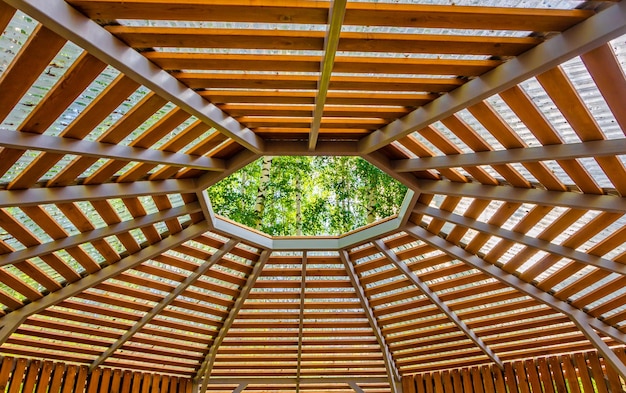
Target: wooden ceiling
507, 122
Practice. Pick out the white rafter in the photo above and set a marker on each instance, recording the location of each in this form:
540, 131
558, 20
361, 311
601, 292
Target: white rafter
581, 38
54, 144
156, 310
526, 154
538, 244
434, 298
51, 195
584, 321
13, 320
331, 41
204, 372
70, 24
392, 372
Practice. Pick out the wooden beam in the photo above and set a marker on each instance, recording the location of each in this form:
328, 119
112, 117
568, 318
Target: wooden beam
52, 144
301, 322
322, 148
204, 372
331, 41
18, 256
579, 39
166, 301
527, 154
520, 238
240, 388
392, 372
233, 164
74, 26
574, 200
434, 298
578, 317
13, 320
52, 195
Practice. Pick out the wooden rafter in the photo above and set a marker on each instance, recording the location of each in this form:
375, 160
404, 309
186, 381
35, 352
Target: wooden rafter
392, 372
585, 322
204, 371
331, 42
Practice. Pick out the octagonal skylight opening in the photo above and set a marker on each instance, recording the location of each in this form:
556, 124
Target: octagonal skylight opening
307, 196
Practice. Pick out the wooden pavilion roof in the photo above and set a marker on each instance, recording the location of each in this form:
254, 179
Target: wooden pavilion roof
506, 119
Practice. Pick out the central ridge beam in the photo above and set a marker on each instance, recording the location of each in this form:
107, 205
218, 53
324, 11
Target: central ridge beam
72, 25
390, 366
586, 323
331, 42
581, 38
434, 298
156, 310
206, 367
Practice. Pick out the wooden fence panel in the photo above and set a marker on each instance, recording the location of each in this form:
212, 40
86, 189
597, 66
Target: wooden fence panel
575, 373
19, 375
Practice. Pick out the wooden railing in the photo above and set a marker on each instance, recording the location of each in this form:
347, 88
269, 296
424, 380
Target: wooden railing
576, 373
35, 376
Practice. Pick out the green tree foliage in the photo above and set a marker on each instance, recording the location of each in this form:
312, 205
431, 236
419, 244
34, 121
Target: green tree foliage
308, 196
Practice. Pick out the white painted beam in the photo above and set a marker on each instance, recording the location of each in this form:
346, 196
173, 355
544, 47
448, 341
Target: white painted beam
579, 317
204, 372
159, 307
520, 238
527, 154
72, 25
52, 195
54, 144
11, 321
574, 200
331, 42
96, 234
392, 371
579, 39
434, 298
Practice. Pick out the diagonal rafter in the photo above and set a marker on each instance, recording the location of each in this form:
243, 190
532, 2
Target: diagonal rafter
53, 144
434, 298
13, 320
97, 234
527, 154
392, 372
182, 287
586, 323
70, 24
301, 320
206, 367
331, 42
574, 200
520, 238
52, 195
581, 38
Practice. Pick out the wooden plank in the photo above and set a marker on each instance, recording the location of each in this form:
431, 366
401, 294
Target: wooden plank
615, 384
69, 382
31, 376
468, 386
498, 379
570, 374
457, 381
522, 378
446, 378
44, 377
488, 379
596, 372
419, 384
116, 381
136, 382
533, 375
18, 376
477, 380
5, 372
81, 379
583, 372
57, 378
509, 374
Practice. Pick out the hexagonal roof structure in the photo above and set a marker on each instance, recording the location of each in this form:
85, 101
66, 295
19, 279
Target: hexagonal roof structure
505, 120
